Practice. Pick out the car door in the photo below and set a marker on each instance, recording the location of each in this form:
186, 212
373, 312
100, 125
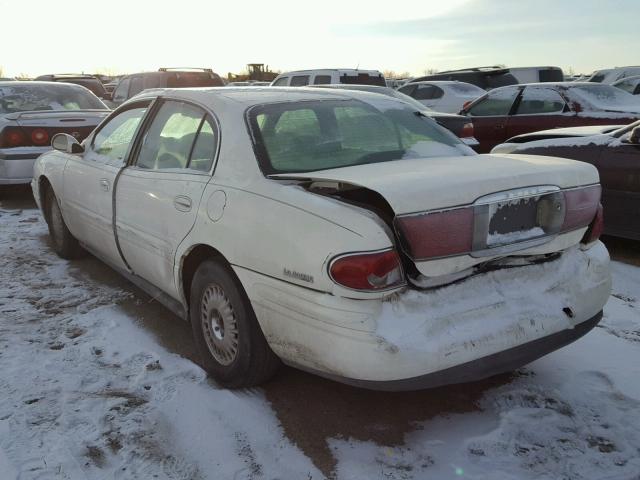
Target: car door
89, 179
539, 108
619, 168
490, 115
158, 194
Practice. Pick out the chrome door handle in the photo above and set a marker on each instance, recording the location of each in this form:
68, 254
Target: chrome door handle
182, 203
104, 184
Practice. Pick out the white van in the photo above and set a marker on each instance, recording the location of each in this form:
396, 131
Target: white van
537, 74
327, 76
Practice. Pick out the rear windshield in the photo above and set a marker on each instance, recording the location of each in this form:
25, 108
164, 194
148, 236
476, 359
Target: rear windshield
24, 97
318, 135
605, 97
363, 79
193, 79
466, 89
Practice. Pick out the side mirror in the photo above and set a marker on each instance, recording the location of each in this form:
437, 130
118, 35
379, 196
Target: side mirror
634, 136
66, 143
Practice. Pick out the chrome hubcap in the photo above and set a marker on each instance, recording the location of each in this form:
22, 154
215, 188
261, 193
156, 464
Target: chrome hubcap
219, 325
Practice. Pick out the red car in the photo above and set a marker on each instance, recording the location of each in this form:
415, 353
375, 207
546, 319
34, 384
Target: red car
517, 109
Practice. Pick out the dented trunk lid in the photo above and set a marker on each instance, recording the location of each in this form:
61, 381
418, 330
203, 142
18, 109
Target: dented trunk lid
418, 185
424, 186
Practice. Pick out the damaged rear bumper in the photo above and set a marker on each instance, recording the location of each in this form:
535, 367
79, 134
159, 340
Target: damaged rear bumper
481, 326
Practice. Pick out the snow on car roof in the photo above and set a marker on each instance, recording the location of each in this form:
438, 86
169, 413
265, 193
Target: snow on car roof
249, 96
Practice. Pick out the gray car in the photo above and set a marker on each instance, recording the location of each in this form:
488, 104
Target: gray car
33, 112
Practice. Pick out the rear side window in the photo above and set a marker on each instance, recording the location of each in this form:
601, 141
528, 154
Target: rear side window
281, 82
407, 89
173, 139
299, 81
363, 79
540, 100
427, 92
496, 103
322, 80
551, 75
628, 85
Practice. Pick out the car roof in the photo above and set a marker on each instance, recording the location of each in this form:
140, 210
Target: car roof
326, 70
440, 82
250, 96
13, 83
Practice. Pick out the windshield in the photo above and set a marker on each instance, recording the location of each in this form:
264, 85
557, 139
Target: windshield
25, 97
606, 97
323, 134
466, 89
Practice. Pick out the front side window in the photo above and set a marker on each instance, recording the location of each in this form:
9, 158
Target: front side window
496, 103
300, 80
112, 141
322, 134
172, 138
424, 92
281, 82
536, 101
408, 89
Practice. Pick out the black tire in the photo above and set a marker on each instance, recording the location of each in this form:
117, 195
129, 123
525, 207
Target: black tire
227, 334
64, 244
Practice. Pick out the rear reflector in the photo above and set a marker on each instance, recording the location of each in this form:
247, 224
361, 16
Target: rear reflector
581, 207
368, 271
437, 234
11, 137
596, 228
467, 130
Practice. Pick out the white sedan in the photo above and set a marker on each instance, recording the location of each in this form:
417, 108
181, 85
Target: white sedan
443, 96
340, 232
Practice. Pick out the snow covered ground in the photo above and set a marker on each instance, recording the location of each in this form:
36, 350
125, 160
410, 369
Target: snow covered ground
89, 391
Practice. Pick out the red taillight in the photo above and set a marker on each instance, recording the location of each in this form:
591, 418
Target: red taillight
368, 271
39, 136
437, 234
596, 228
581, 207
11, 137
467, 130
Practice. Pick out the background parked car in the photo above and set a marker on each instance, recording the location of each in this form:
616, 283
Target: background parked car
509, 111
614, 151
88, 81
443, 96
326, 76
612, 75
483, 77
31, 113
629, 84
459, 125
131, 85
537, 74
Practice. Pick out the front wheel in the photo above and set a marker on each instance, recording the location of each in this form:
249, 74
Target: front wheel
229, 339
64, 243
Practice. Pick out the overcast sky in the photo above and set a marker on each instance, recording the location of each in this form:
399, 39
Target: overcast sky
123, 36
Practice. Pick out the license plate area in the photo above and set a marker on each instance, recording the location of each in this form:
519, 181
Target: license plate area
517, 219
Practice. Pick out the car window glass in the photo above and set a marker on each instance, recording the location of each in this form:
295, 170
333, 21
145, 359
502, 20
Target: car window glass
167, 143
136, 85
497, 103
112, 141
627, 86
332, 134
300, 80
204, 149
281, 82
437, 93
407, 89
322, 80
120, 94
540, 100
423, 92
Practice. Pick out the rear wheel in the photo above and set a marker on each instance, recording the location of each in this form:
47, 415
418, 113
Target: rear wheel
228, 336
64, 243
